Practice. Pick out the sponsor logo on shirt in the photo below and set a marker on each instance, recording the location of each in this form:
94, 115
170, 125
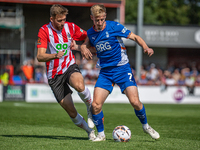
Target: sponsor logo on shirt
103, 46
60, 47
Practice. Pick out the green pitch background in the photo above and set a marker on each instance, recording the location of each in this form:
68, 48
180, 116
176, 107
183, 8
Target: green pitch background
46, 126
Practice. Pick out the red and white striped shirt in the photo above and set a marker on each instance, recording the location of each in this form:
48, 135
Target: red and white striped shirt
54, 41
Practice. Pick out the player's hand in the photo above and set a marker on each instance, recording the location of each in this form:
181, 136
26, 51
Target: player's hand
86, 52
60, 54
149, 51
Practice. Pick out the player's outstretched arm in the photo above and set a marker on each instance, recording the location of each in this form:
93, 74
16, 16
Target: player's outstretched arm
141, 42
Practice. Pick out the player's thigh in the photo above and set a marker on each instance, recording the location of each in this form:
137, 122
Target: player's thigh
99, 98
100, 95
59, 87
124, 78
104, 81
132, 94
77, 82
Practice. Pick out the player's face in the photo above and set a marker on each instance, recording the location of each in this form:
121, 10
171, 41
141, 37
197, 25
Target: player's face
58, 21
99, 21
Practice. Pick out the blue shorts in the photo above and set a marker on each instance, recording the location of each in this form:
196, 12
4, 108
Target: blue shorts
120, 75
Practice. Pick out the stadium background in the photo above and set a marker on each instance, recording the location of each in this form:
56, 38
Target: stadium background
20, 20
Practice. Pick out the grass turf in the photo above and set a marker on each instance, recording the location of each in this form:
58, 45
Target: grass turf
46, 126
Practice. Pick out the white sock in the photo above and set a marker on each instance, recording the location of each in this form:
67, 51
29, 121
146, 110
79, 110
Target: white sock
86, 96
145, 126
101, 133
80, 122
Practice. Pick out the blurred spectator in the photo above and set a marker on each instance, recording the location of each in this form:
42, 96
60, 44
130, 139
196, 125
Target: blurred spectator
182, 78
28, 70
186, 72
190, 83
38, 75
90, 72
176, 75
39, 69
169, 79
152, 74
10, 70
197, 82
171, 66
5, 78
143, 76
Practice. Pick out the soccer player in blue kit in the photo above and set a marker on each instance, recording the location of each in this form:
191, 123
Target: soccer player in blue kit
105, 40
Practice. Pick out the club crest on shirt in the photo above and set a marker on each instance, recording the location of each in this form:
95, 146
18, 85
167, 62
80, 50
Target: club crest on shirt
107, 34
69, 36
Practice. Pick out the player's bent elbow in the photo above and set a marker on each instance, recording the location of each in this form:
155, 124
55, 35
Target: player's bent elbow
39, 59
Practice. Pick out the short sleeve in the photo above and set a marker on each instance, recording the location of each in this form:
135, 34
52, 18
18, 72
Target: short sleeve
120, 30
42, 39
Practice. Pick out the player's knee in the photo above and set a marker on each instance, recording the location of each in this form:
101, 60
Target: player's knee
96, 108
136, 104
80, 87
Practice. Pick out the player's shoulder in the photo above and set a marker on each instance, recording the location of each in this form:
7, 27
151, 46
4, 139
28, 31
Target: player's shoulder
112, 24
70, 24
90, 30
73, 25
44, 28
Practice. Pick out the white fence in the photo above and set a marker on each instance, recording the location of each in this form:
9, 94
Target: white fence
147, 94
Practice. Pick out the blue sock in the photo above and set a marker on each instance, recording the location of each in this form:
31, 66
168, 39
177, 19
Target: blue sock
141, 114
98, 121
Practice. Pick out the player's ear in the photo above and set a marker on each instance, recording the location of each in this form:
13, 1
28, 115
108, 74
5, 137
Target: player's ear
105, 15
51, 19
91, 17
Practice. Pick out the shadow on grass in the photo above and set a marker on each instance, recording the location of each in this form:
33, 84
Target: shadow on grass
69, 138
46, 137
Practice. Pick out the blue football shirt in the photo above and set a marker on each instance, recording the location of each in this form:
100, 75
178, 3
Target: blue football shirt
109, 46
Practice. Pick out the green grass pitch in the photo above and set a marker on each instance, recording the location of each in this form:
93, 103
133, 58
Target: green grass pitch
46, 126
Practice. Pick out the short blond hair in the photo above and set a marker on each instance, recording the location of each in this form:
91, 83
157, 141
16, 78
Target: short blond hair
58, 9
98, 10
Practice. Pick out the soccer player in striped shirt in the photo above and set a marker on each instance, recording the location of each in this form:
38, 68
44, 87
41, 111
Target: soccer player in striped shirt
54, 42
